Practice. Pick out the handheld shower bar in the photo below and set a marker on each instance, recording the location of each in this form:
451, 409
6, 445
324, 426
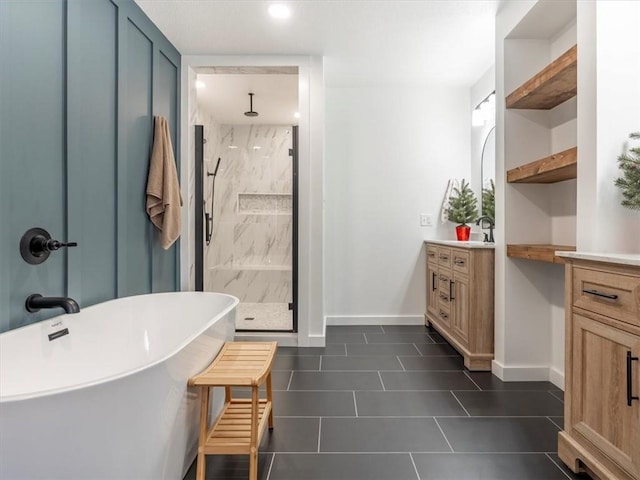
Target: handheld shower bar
209, 216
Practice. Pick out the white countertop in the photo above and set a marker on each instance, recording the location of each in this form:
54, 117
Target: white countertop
459, 244
619, 258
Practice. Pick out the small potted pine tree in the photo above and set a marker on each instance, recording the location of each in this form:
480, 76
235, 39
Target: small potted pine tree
463, 208
629, 182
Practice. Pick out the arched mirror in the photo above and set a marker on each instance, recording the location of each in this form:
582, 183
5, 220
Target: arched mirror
488, 176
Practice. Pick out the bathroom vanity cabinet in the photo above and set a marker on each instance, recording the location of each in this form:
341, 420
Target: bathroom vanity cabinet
460, 285
602, 374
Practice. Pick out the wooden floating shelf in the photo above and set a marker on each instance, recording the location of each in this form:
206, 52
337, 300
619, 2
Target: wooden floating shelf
558, 167
555, 84
539, 252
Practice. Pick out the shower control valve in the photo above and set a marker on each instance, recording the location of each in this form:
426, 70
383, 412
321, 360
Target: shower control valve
36, 245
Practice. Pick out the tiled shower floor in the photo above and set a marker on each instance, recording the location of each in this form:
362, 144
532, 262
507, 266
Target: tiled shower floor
264, 316
395, 403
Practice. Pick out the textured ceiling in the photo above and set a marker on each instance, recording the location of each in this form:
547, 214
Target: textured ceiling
372, 42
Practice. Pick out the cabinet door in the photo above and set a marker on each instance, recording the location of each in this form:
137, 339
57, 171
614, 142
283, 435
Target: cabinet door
460, 307
432, 289
600, 410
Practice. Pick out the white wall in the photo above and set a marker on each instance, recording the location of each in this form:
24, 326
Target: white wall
389, 154
609, 74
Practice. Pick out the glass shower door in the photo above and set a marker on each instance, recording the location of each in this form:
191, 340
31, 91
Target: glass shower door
250, 205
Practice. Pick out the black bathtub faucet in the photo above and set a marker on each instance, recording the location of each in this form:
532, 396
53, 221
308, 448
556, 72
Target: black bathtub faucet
36, 302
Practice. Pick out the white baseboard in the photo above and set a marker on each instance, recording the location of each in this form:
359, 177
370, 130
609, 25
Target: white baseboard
557, 378
312, 341
520, 373
338, 320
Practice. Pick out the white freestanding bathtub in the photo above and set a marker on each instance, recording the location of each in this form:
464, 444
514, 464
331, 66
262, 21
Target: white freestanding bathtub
109, 400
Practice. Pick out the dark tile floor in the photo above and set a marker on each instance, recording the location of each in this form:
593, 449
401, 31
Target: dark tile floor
395, 403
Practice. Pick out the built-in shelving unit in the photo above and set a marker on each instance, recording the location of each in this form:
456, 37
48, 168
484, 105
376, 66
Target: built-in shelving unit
554, 168
539, 252
550, 87
537, 161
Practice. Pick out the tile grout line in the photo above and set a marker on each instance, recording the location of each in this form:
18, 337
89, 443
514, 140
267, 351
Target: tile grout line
465, 410
384, 389
472, 381
320, 366
414, 465
290, 379
416, 347
319, 432
270, 466
355, 404
346, 354
366, 340
442, 432
557, 466
561, 428
401, 364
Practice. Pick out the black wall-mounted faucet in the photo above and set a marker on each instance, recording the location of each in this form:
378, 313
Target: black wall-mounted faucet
36, 302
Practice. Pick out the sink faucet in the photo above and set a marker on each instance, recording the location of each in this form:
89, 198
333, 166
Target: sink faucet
36, 301
488, 238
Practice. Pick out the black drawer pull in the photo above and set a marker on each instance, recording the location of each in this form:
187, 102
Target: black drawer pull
443, 278
444, 297
610, 296
451, 290
630, 396
431, 254
459, 262
444, 257
444, 315
433, 281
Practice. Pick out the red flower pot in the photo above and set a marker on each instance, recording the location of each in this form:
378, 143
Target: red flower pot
463, 232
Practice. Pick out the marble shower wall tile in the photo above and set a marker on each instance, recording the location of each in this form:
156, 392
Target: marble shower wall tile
191, 181
251, 285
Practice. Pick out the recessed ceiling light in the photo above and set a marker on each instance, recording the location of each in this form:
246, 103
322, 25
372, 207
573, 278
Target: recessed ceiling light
200, 84
256, 147
233, 146
279, 10
296, 115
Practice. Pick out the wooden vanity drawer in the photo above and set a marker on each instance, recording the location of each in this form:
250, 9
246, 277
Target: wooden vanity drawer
611, 294
444, 315
432, 254
444, 287
460, 261
444, 257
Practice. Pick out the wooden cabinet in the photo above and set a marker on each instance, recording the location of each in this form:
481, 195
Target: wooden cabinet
460, 283
602, 411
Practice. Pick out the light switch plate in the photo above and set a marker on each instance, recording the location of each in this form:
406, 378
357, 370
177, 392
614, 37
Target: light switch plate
426, 220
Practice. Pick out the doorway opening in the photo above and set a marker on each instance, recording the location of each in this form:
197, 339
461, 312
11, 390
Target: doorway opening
246, 178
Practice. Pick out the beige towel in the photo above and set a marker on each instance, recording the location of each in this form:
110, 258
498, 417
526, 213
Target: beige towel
163, 190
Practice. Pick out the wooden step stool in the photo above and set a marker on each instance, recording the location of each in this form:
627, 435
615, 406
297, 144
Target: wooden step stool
239, 428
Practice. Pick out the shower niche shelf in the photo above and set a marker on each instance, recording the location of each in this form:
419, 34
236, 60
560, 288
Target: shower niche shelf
265, 203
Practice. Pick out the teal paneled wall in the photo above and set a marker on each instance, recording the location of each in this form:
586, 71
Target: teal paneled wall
80, 82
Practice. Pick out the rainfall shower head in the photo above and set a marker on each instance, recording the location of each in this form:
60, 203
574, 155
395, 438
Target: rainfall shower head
251, 113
